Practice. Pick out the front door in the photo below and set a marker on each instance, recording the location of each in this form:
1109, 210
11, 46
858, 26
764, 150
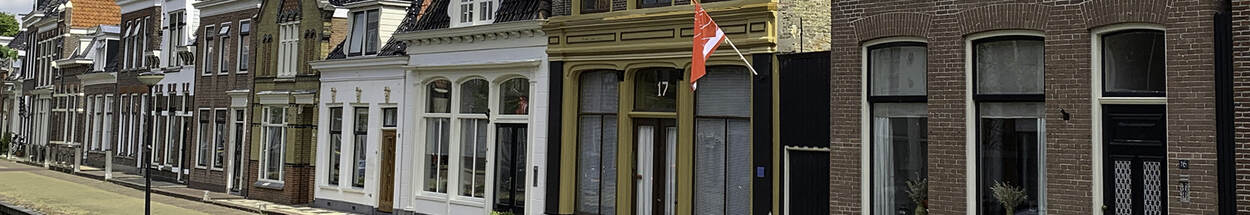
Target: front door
386, 190
236, 148
654, 146
510, 168
1135, 162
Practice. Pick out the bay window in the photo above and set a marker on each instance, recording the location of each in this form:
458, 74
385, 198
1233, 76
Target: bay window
273, 137
898, 125
1009, 99
597, 142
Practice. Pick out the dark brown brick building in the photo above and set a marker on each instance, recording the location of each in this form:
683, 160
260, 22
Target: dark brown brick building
222, 82
1089, 107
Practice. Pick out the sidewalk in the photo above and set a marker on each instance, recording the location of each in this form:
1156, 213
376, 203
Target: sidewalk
217, 198
52, 192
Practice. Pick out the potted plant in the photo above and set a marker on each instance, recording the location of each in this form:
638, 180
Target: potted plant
1008, 195
918, 191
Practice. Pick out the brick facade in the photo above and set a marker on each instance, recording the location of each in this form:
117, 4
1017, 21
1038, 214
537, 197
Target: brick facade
1241, 100
210, 90
1066, 25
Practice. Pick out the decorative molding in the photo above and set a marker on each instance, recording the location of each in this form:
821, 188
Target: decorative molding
479, 33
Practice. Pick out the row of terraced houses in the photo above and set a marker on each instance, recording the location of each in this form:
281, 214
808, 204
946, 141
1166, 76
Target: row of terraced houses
584, 107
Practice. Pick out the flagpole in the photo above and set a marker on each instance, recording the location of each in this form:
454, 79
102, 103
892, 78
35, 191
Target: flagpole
740, 56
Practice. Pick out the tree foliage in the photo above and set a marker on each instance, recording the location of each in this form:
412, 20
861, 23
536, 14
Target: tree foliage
8, 25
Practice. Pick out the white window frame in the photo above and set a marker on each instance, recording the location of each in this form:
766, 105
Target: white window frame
212, 149
199, 139
288, 50
264, 149
209, 46
1096, 96
243, 53
865, 119
177, 24
478, 12
971, 119
329, 147
363, 34
222, 69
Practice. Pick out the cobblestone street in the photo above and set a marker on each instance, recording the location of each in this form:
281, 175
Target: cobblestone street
53, 192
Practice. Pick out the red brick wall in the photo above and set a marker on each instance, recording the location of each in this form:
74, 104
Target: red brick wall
210, 91
1241, 100
1066, 26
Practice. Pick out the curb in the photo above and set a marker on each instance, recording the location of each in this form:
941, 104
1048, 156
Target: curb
141, 187
6, 208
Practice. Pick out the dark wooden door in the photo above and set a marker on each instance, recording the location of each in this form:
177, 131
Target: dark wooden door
386, 192
510, 168
1135, 162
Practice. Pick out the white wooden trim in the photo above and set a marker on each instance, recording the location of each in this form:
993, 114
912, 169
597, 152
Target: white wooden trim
865, 150
1097, 102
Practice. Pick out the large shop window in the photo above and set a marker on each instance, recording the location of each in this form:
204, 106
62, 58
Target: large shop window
437, 136
474, 97
1009, 99
336, 144
722, 156
274, 136
360, 142
898, 125
597, 142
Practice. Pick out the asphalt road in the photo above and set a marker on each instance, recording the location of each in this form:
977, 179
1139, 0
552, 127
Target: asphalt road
53, 192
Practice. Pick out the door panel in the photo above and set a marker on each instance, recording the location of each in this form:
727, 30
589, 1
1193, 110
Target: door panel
655, 144
807, 182
510, 168
1134, 140
386, 190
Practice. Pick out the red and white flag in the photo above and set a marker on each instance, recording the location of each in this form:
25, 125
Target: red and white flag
707, 37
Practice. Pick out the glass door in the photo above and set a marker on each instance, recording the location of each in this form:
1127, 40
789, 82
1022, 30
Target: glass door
654, 146
510, 168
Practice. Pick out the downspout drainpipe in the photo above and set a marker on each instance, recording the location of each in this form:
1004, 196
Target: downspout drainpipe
1226, 163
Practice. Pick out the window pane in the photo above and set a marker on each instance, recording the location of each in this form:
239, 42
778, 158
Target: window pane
516, 95
1009, 67
371, 32
599, 92
724, 91
440, 97
359, 147
655, 90
596, 164
205, 139
592, 6
1008, 153
1133, 62
219, 145
475, 96
897, 70
336, 143
900, 155
654, 3
274, 164
473, 158
390, 117
358, 33
722, 165
437, 136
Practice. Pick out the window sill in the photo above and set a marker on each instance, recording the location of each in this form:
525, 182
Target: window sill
269, 184
354, 190
431, 196
329, 187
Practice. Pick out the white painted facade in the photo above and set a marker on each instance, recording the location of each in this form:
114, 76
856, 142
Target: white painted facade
491, 52
373, 83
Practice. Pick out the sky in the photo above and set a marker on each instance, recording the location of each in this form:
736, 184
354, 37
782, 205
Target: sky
15, 7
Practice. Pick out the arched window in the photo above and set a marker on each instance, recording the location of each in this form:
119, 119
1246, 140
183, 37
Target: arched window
437, 136
597, 142
899, 123
722, 160
515, 96
474, 96
1009, 105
